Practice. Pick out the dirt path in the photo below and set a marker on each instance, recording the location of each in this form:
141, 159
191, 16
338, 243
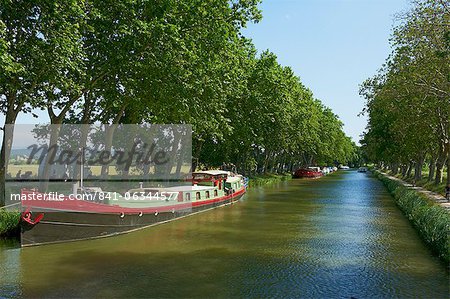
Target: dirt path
438, 198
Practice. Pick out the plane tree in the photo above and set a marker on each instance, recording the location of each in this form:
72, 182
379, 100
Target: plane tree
408, 102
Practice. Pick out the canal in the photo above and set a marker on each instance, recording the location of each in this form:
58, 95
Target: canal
339, 236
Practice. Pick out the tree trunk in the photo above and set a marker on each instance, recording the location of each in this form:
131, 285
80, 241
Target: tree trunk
55, 129
443, 155
410, 168
418, 169
109, 133
181, 157
404, 170
196, 156
173, 154
432, 168
266, 162
438, 177
448, 171
394, 169
8, 131
5, 152
85, 128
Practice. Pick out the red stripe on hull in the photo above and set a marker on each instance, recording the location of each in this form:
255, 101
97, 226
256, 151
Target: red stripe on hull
92, 207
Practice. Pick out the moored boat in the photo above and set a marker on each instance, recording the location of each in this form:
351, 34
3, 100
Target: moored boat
83, 216
307, 173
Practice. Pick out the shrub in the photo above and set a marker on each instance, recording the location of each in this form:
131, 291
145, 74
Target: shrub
430, 219
9, 222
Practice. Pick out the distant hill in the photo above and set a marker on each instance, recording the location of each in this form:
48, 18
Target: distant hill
20, 152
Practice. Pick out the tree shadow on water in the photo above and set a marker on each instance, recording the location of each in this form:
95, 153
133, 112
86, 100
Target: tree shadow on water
128, 274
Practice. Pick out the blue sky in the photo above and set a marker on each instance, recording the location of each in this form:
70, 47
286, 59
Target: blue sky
333, 45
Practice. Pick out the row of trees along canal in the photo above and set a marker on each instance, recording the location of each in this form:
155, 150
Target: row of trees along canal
168, 61
408, 101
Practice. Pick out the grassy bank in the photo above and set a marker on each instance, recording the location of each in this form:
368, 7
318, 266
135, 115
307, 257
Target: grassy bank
9, 223
424, 183
267, 179
431, 220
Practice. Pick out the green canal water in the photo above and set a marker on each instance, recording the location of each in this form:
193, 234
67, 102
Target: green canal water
339, 236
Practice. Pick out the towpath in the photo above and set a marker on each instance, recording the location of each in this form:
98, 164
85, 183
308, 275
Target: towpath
438, 198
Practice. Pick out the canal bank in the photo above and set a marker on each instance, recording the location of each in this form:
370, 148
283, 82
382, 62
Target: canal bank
428, 216
9, 224
268, 179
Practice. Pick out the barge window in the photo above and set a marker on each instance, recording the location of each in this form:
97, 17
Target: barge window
188, 196
207, 194
197, 195
215, 193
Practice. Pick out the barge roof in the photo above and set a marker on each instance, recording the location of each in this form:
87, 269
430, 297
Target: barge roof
211, 172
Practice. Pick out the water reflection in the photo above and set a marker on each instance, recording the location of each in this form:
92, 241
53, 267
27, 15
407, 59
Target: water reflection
10, 278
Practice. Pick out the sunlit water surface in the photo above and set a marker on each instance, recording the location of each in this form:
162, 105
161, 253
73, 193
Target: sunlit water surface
339, 236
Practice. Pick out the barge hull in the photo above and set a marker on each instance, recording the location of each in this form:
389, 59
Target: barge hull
69, 226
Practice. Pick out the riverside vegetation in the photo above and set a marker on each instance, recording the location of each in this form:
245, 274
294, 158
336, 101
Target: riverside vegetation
9, 222
431, 220
408, 111
268, 179
408, 100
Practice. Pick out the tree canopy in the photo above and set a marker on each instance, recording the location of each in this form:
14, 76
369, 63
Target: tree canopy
408, 101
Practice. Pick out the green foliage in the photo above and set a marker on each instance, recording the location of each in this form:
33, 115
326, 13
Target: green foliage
9, 222
431, 220
424, 183
268, 179
42, 47
276, 123
408, 100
